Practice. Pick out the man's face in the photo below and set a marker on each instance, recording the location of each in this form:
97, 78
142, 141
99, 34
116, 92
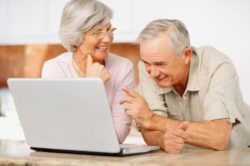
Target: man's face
162, 63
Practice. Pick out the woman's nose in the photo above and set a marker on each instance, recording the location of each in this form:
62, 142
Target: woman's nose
107, 38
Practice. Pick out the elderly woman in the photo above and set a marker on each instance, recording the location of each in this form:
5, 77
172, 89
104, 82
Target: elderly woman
86, 32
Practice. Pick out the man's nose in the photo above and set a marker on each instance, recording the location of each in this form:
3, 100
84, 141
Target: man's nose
153, 71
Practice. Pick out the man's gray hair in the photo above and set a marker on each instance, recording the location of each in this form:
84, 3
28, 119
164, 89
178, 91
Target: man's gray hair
80, 16
175, 29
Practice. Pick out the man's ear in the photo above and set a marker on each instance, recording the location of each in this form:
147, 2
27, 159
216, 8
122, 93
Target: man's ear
187, 55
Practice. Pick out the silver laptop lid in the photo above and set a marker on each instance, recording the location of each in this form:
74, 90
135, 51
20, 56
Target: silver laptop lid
65, 114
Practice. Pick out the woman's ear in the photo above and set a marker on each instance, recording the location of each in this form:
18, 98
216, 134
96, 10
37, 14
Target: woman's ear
187, 54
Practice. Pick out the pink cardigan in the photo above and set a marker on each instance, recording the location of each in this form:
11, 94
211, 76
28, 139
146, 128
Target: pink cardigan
122, 75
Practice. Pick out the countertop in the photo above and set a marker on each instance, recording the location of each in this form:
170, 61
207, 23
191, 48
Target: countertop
17, 153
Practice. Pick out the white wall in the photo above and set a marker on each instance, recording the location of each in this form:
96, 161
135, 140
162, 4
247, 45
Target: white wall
224, 24
29, 21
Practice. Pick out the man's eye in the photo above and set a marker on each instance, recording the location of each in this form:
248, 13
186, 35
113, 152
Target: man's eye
97, 33
159, 64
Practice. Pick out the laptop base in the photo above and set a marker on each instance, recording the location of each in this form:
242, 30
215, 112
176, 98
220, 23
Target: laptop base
120, 154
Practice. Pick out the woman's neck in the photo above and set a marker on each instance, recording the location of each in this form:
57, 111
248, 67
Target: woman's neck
79, 62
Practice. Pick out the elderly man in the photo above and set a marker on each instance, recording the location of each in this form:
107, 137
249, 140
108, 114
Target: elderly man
187, 95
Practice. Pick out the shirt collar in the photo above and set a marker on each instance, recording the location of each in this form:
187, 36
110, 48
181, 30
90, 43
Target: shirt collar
193, 81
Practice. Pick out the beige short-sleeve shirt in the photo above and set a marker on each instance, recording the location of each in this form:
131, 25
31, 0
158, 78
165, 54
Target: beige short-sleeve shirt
212, 92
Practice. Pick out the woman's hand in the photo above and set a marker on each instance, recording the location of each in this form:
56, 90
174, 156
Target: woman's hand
96, 69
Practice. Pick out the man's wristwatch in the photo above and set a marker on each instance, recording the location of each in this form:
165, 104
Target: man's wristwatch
138, 127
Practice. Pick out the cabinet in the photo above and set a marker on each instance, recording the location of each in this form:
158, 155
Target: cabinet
29, 21
123, 14
3, 18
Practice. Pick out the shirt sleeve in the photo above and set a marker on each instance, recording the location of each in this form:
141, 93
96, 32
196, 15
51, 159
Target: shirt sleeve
52, 69
148, 88
220, 100
121, 119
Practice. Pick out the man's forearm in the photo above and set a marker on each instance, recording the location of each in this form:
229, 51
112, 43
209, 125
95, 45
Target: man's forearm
157, 122
171, 141
152, 137
208, 134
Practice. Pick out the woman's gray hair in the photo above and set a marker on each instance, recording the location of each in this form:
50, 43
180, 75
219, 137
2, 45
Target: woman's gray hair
175, 29
80, 16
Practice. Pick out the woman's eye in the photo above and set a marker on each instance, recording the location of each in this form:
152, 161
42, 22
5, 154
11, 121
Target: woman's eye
108, 29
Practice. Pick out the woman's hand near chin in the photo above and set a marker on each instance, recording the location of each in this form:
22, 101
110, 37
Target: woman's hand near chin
95, 69
80, 56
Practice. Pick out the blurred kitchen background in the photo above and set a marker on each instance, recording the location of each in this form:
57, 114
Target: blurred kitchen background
29, 36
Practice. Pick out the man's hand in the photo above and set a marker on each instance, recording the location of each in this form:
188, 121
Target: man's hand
96, 69
136, 106
174, 138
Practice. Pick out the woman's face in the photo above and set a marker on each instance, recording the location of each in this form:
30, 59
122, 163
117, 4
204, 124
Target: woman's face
97, 42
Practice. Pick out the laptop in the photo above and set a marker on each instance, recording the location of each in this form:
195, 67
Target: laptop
68, 115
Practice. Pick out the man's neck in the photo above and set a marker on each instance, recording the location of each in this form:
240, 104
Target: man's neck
181, 87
